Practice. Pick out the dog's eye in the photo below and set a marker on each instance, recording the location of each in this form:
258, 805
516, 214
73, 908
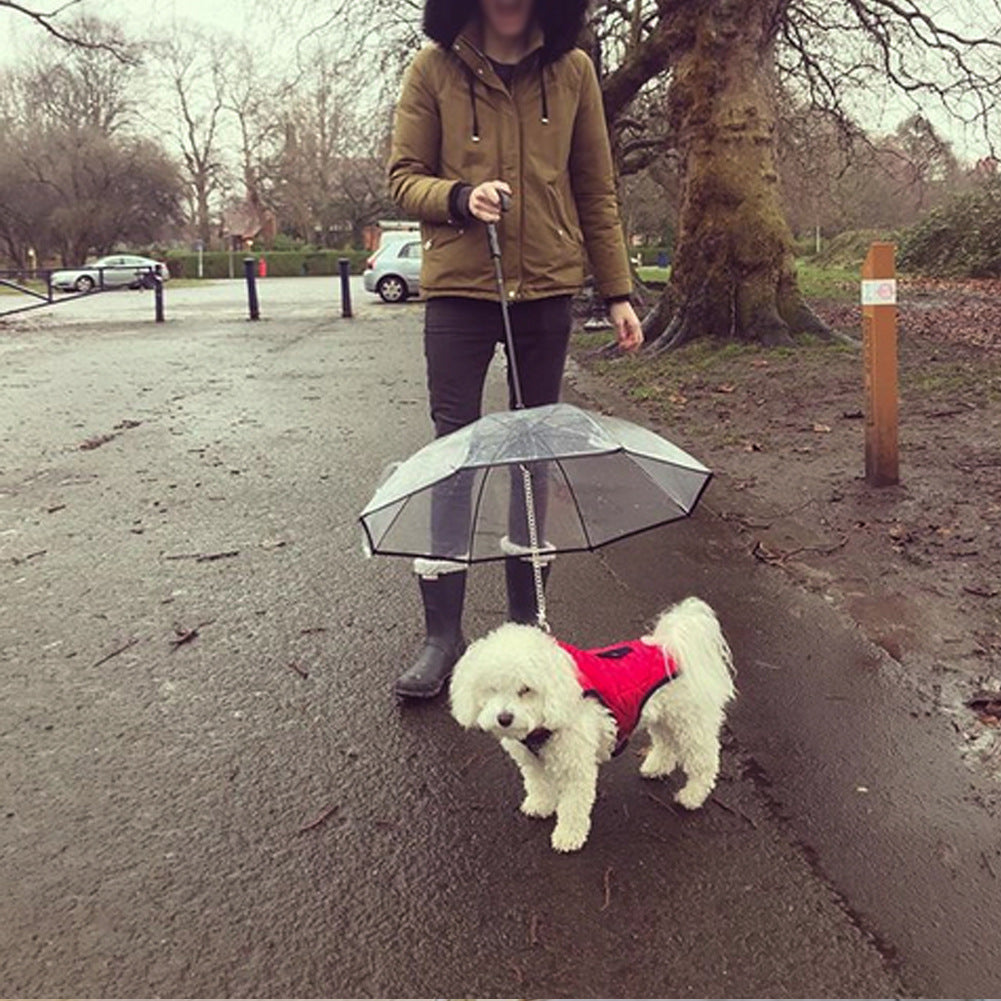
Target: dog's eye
524, 690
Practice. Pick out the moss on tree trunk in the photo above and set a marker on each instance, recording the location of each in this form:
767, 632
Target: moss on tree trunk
733, 274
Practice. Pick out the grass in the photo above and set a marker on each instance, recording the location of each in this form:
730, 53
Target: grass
652, 273
815, 281
818, 282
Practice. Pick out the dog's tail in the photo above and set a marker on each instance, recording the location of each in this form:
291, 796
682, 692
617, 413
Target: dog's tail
690, 633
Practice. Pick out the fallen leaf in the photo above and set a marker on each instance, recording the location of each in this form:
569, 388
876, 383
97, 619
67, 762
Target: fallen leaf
726, 387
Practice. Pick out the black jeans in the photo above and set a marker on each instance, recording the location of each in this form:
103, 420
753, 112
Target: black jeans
460, 336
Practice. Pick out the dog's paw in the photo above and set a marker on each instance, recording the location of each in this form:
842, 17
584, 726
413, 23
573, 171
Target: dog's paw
657, 766
567, 839
536, 806
691, 796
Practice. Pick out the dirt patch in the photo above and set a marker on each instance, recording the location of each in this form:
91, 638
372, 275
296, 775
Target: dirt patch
917, 566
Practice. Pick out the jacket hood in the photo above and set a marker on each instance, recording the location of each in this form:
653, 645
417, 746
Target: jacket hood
561, 21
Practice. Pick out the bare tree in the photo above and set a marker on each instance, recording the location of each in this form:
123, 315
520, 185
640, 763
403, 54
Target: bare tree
195, 68
88, 86
51, 19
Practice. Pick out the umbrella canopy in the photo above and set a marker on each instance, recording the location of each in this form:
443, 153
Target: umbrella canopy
593, 479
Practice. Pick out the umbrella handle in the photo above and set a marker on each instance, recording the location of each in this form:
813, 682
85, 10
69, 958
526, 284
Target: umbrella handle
493, 240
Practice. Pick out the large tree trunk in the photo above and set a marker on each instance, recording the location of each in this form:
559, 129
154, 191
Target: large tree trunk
733, 274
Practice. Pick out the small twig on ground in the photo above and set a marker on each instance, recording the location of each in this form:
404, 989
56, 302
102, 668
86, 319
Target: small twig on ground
662, 802
312, 630
202, 557
733, 811
187, 635
88, 444
777, 559
16, 560
298, 668
54, 508
533, 930
607, 880
115, 653
988, 866
319, 819
979, 591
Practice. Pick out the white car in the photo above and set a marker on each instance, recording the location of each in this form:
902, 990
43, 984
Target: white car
113, 271
393, 272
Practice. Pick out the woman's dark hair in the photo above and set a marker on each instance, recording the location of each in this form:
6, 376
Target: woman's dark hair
561, 21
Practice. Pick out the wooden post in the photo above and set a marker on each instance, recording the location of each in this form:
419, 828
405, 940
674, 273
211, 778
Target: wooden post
879, 339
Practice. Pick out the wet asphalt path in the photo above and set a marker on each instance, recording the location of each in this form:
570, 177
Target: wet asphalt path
152, 799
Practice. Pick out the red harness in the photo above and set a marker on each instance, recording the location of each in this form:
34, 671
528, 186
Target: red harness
622, 678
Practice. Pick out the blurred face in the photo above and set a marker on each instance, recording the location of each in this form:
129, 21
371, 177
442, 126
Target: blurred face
507, 18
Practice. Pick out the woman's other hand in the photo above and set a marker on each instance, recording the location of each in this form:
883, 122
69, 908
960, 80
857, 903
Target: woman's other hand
628, 329
485, 200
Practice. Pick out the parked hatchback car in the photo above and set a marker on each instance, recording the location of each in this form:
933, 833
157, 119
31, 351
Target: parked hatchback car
394, 271
113, 271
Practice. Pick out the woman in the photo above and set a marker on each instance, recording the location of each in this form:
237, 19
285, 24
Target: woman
502, 103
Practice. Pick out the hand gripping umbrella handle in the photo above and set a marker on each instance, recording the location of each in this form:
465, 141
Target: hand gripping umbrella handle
493, 240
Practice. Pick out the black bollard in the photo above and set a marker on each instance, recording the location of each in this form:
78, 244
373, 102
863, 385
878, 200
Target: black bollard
344, 267
158, 298
249, 272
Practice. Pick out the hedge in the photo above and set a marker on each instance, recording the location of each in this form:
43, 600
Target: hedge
281, 263
961, 239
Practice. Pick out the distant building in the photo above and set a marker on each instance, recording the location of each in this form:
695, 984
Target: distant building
373, 234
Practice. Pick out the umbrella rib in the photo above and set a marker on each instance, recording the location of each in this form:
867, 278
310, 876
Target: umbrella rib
576, 504
403, 503
476, 511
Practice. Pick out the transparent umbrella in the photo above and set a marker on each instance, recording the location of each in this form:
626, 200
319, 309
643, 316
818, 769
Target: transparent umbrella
592, 479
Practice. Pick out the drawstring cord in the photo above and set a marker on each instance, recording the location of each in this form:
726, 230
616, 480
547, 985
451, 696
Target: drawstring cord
472, 101
471, 81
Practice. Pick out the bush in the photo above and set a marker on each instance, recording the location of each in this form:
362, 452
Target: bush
962, 239
281, 263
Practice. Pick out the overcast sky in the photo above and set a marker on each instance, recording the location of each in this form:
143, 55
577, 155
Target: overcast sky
260, 21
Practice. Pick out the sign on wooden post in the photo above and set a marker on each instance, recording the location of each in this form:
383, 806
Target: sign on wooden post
879, 339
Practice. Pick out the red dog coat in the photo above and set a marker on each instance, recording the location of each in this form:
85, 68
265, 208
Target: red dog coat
622, 678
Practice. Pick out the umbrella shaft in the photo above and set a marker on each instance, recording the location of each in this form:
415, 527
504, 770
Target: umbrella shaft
512, 359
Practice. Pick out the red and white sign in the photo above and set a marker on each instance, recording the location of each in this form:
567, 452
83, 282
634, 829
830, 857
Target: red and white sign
879, 292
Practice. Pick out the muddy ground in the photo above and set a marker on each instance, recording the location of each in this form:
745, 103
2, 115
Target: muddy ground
918, 566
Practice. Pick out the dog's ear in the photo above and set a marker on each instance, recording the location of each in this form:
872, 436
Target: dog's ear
462, 695
561, 691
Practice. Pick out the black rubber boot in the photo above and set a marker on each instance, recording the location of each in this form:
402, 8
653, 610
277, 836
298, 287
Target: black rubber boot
521, 604
443, 599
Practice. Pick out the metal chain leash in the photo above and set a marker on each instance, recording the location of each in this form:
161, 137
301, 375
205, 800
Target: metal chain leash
519, 404
536, 552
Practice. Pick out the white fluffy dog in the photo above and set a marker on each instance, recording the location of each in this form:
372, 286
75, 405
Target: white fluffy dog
560, 712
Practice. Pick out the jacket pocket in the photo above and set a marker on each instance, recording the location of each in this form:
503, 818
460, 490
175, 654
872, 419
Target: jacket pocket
437, 236
564, 219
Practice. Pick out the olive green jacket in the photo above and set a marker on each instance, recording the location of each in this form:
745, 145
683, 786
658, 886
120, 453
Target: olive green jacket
457, 122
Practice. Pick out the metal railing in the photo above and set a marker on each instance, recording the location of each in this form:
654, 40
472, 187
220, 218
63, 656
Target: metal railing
39, 285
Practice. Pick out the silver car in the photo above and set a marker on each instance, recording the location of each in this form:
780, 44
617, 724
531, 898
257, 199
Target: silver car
113, 271
394, 271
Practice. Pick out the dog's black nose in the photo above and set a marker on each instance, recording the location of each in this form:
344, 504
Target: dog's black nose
505, 719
